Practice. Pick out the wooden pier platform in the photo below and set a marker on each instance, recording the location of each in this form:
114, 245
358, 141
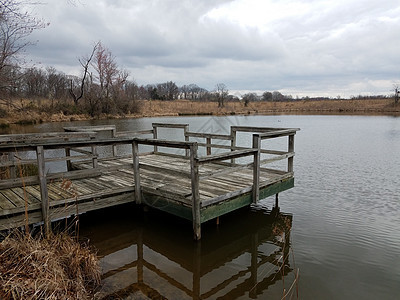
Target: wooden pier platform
73, 178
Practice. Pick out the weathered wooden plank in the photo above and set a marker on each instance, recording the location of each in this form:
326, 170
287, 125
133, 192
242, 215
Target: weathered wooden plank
134, 133
18, 138
136, 172
164, 143
226, 170
171, 207
209, 135
194, 170
72, 208
57, 192
278, 133
170, 125
225, 156
5, 202
43, 189
18, 162
18, 182
97, 184
83, 189
291, 149
227, 196
275, 158
167, 195
254, 128
20, 192
96, 128
276, 188
34, 191
256, 168
15, 221
219, 146
13, 197
214, 211
97, 195
164, 170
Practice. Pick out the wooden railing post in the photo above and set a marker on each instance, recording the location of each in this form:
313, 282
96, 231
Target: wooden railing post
155, 137
68, 157
256, 168
95, 157
208, 142
113, 135
11, 158
291, 149
233, 142
136, 172
43, 190
185, 130
194, 170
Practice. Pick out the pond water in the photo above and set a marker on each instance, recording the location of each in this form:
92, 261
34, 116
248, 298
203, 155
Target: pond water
344, 214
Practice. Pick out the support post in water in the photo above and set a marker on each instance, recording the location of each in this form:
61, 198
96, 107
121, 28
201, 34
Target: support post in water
43, 189
276, 200
194, 170
136, 173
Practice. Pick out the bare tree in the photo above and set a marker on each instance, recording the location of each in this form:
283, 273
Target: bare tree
107, 70
15, 27
85, 63
221, 92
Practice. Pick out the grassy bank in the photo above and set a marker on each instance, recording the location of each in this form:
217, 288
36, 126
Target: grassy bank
29, 112
57, 267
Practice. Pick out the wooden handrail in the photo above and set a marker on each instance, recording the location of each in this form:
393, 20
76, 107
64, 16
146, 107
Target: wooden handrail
225, 156
209, 135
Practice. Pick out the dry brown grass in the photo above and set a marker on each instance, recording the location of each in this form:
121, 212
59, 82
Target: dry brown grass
57, 267
184, 107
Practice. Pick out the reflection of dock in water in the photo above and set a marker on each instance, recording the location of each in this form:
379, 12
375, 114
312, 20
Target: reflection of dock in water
241, 258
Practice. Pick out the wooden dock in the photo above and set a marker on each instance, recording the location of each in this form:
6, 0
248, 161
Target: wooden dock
77, 171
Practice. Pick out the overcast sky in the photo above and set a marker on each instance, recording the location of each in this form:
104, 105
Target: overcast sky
298, 47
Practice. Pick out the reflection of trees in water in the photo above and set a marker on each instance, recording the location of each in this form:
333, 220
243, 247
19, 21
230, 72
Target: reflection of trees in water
243, 257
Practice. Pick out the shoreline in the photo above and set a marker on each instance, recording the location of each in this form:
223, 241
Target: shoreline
156, 108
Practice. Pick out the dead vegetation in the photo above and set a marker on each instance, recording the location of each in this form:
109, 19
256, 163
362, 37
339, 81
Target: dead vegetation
183, 107
57, 267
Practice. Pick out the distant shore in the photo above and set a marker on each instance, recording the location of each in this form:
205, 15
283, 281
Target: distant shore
155, 108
